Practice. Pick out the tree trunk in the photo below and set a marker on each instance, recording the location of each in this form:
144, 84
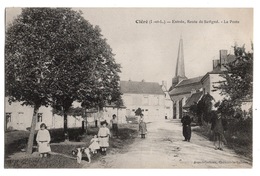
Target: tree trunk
65, 127
117, 115
85, 128
32, 130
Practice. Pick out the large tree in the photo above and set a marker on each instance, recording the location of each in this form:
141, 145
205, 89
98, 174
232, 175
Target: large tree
78, 64
238, 84
26, 68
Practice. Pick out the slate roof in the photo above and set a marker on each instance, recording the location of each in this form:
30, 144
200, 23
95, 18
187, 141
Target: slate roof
193, 99
189, 81
143, 87
186, 86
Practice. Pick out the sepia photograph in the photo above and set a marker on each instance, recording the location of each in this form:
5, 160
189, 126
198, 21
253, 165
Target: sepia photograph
128, 88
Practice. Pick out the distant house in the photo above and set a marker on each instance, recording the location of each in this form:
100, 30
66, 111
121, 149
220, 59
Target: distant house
212, 79
168, 105
148, 96
18, 117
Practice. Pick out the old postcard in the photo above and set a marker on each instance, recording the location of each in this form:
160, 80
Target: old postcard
128, 88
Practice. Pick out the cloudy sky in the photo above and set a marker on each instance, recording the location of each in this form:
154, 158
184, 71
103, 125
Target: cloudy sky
149, 51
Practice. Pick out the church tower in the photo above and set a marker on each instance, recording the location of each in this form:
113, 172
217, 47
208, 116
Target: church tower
180, 70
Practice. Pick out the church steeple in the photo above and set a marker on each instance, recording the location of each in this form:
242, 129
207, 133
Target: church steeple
180, 69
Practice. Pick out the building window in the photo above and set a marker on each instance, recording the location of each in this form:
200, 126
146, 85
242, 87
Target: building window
137, 100
146, 110
39, 117
157, 100
133, 109
8, 117
142, 110
145, 101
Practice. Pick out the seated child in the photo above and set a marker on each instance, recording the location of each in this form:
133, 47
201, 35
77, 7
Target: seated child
94, 144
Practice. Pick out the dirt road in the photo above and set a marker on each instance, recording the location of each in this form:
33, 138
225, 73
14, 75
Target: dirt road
164, 148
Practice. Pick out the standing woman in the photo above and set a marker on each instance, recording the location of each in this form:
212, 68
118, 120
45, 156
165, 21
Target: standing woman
218, 130
114, 126
142, 128
43, 140
103, 135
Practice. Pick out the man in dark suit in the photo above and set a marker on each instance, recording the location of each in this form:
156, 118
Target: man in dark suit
186, 126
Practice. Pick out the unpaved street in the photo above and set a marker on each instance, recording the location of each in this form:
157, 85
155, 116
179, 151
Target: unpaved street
164, 148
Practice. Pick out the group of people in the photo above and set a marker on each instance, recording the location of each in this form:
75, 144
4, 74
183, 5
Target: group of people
98, 142
101, 140
218, 126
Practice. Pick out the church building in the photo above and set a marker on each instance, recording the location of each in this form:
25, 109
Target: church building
184, 92
182, 88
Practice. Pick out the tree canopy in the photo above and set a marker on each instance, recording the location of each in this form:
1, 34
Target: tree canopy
238, 84
55, 57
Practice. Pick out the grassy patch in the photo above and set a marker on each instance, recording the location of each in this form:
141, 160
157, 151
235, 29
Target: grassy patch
17, 140
238, 136
51, 162
127, 134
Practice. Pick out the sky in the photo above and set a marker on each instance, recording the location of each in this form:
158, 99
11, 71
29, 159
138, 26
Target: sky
149, 51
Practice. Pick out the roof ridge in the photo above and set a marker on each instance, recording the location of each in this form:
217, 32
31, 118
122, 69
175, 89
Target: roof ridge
141, 87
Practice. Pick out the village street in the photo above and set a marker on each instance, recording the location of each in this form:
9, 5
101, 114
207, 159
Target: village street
164, 148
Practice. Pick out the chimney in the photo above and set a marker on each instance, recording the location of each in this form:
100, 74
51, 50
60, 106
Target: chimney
223, 58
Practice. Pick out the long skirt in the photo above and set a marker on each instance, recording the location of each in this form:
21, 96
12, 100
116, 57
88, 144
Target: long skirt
219, 137
115, 129
187, 132
44, 147
103, 142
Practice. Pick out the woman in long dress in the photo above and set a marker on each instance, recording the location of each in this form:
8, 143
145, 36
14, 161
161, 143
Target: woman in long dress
142, 128
218, 126
114, 126
43, 140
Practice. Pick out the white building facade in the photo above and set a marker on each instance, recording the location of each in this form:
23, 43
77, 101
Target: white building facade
148, 96
18, 117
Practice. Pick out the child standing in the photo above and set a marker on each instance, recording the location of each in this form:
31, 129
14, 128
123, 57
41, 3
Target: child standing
142, 128
114, 126
103, 135
94, 144
43, 140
